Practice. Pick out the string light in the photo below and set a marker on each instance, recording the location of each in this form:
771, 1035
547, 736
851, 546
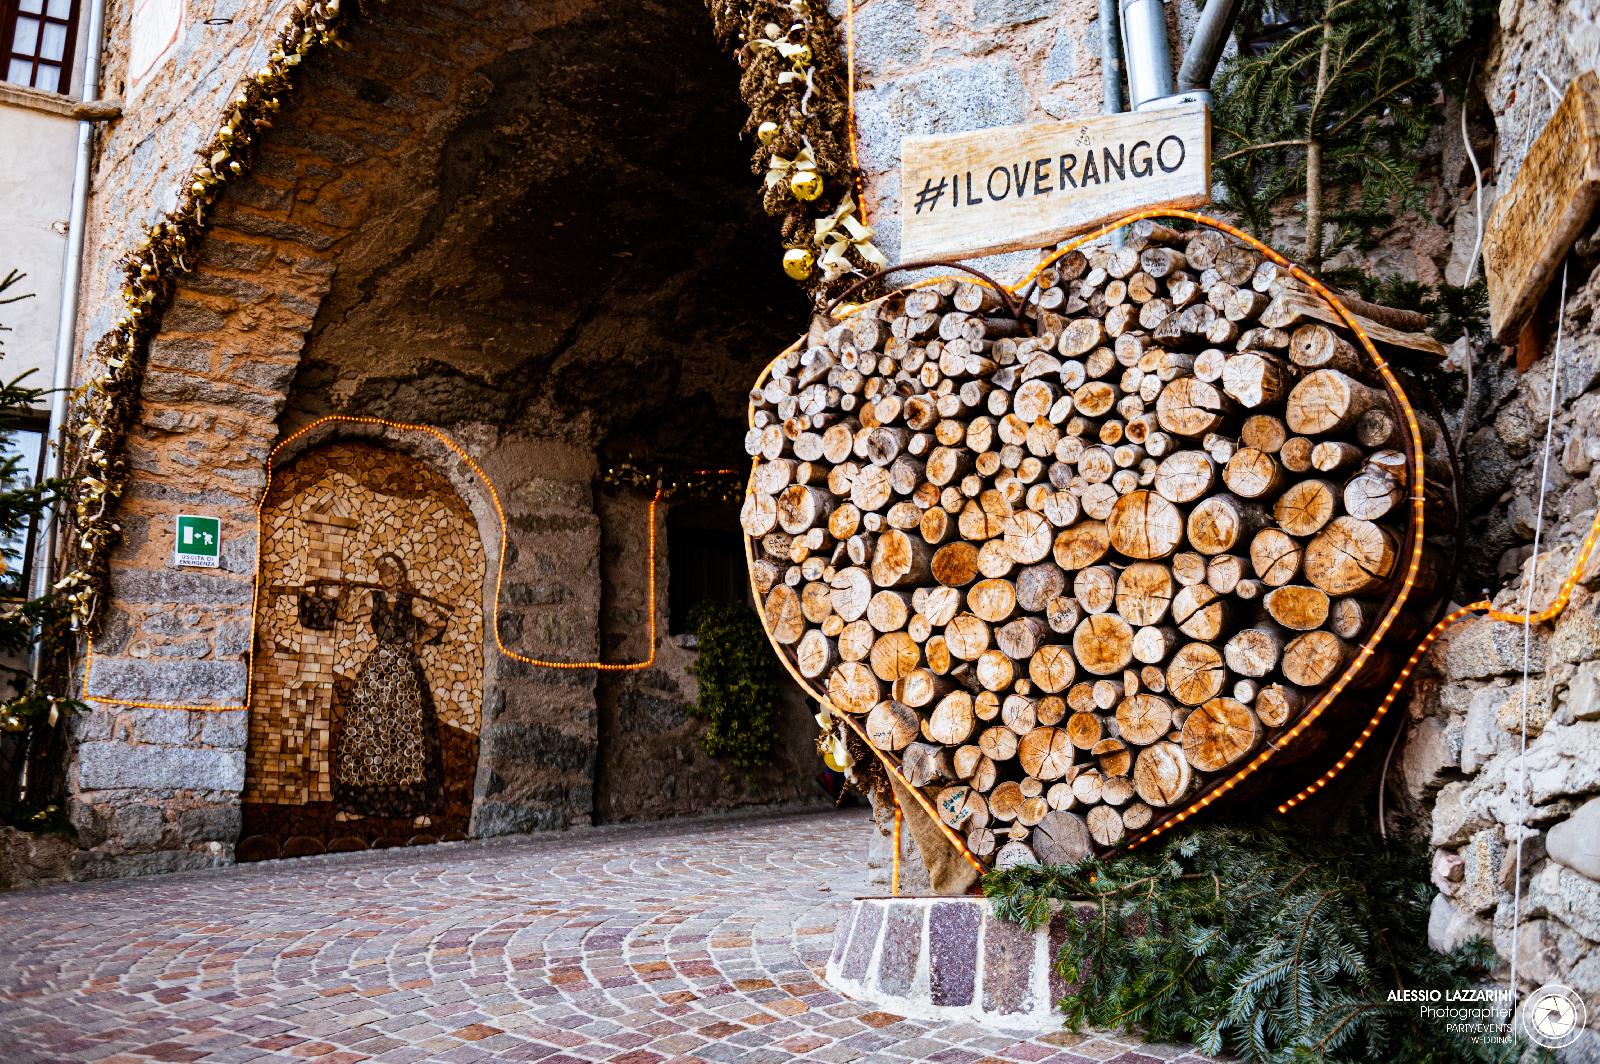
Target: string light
894, 875
494, 498
1563, 596
720, 485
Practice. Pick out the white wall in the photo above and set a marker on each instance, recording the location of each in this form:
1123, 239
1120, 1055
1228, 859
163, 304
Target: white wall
36, 194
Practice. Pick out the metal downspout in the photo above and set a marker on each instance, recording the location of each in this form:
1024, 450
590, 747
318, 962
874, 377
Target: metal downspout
1149, 53
71, 281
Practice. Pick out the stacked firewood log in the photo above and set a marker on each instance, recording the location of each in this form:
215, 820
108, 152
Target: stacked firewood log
1070, 569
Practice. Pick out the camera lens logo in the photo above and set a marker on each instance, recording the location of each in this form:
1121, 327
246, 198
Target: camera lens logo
1553, 1016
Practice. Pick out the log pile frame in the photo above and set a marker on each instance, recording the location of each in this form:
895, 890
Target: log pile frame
1074, 582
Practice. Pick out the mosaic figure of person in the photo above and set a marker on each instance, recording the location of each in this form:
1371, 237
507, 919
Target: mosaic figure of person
386, 753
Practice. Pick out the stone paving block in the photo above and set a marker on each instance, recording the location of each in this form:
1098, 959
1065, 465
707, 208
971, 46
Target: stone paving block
348, 956
863, 942
902, 945
953, 952
1008, 954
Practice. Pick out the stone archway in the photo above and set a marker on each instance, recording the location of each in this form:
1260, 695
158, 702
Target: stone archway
365, 710
540, 246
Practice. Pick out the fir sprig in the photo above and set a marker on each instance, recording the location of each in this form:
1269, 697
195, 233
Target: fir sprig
31, 705
1265, 942
1337, 111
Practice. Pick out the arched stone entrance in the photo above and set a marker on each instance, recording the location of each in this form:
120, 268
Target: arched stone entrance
367, 680
529, 245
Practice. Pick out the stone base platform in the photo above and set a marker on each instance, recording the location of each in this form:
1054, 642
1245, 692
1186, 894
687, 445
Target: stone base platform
948, 959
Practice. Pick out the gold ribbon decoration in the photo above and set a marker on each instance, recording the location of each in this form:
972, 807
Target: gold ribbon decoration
840, 231
780, 170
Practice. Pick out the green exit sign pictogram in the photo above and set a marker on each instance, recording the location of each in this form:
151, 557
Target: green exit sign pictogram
199, 541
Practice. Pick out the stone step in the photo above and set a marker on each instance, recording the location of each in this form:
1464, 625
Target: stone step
949, 959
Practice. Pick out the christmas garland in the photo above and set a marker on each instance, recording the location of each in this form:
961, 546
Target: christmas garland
106, 404
795, 85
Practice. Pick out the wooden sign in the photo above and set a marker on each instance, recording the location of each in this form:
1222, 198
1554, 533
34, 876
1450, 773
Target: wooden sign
1553, 197
1014, 187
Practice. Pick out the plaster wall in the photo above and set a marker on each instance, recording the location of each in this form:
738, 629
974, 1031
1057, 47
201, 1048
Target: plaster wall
37, 170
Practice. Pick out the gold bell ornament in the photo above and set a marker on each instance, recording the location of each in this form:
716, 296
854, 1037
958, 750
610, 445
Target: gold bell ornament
767, 132
805, 184
798, 263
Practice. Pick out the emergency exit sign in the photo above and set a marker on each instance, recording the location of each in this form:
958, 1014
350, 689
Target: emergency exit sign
199, 541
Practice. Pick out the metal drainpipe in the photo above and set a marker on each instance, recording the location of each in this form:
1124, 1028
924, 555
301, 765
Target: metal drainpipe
1111, 76
1205, 49
71, 279
1149, 56
1110, 58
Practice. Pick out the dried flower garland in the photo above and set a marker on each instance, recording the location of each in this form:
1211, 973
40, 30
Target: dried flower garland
794, 84
106, 404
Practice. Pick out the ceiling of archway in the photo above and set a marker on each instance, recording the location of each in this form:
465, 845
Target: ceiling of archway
570, 244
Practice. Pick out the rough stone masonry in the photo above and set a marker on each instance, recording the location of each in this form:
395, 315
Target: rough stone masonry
1461, 767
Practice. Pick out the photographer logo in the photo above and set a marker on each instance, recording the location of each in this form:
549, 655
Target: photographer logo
1553, 1016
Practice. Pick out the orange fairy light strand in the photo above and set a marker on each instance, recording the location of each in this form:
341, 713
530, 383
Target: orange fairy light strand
850, 107
500, 568
494, 498
894, 874
1563, 596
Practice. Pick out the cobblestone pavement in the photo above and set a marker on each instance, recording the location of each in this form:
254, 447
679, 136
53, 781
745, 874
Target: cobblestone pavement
680, 941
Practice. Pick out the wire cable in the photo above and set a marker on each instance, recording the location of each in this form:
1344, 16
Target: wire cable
1527, 629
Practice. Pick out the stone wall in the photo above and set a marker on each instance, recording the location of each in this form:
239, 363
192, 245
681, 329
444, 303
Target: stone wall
1459, 769
143, 156
651, 763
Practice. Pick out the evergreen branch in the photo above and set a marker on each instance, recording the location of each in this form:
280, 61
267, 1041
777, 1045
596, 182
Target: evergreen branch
1251, 148
1372, 101
1292, 964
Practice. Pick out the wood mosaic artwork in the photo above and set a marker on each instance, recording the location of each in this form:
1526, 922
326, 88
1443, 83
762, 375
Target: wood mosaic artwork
367, 686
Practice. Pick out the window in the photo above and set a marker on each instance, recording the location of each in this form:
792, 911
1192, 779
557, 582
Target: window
23, 444
38, 36
705, 560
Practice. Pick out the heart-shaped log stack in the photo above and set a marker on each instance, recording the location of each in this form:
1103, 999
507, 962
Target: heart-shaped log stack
1068, 578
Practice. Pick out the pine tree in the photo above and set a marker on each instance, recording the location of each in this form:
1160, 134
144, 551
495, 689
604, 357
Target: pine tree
1335, 104
29, 735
